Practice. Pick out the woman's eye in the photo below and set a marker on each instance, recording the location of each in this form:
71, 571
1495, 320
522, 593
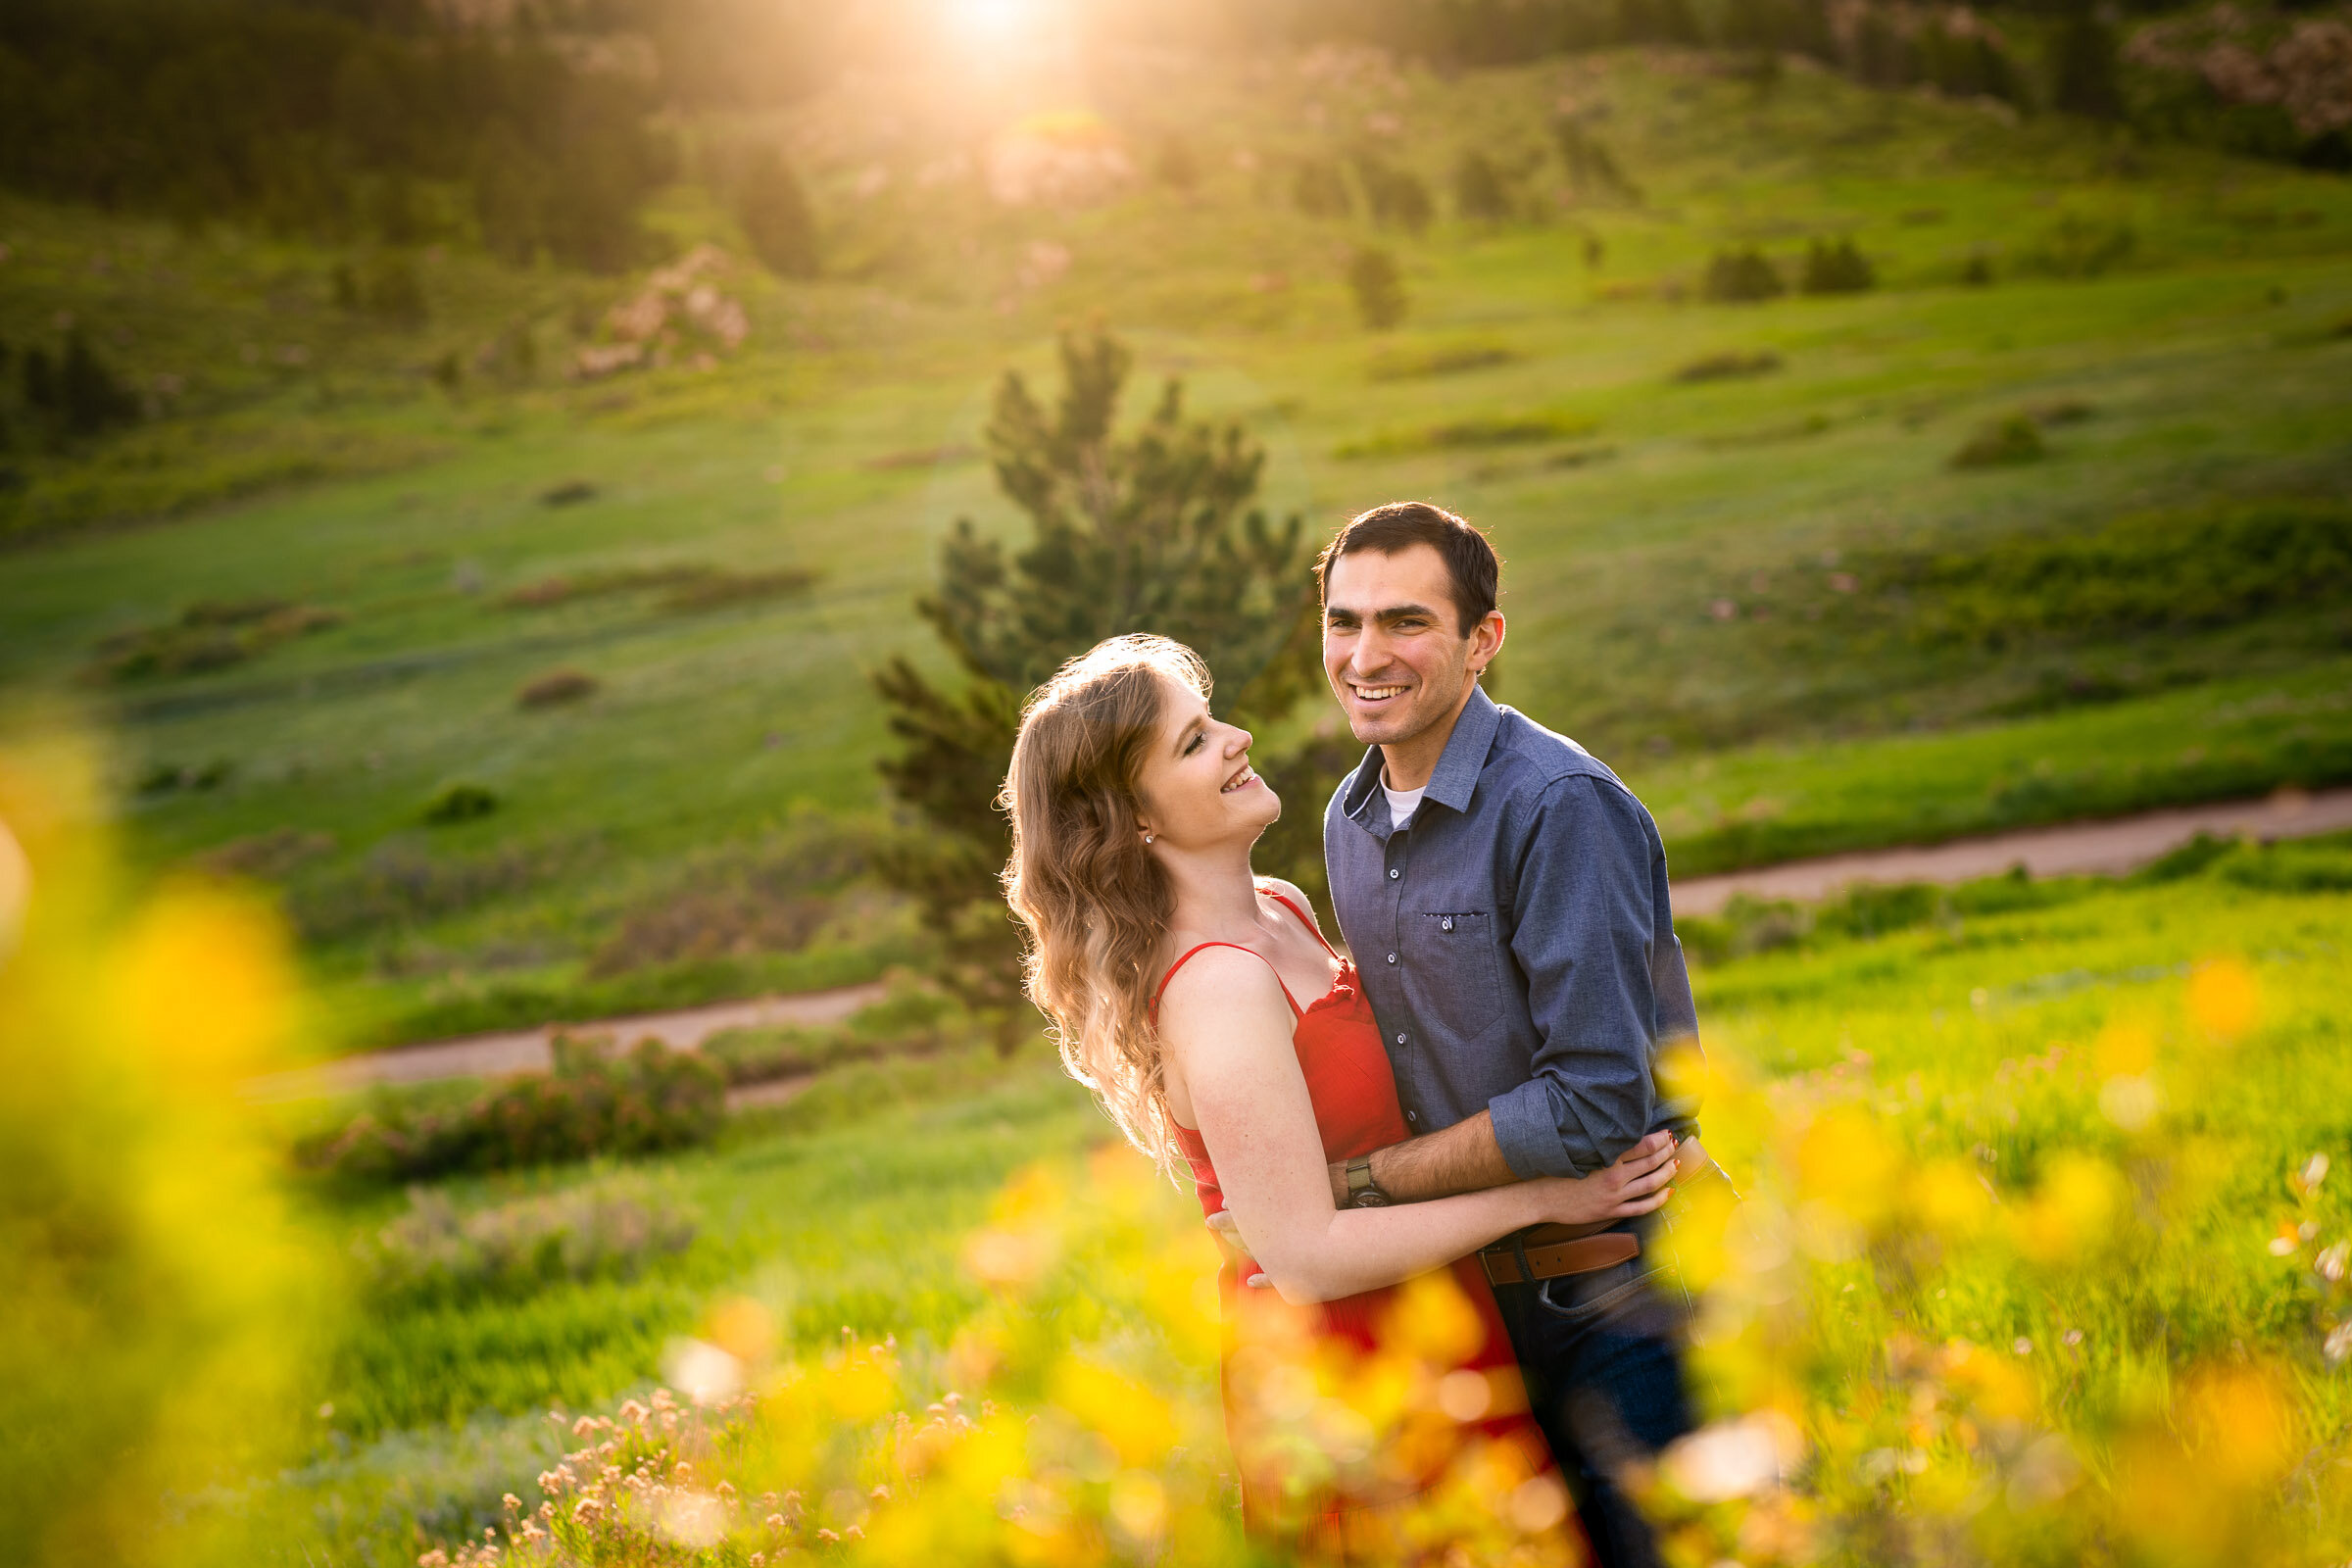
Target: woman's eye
1192, 744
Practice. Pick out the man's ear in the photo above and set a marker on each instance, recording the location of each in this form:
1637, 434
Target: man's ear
1485, 641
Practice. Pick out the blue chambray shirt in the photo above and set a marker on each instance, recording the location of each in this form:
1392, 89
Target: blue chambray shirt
1516, 942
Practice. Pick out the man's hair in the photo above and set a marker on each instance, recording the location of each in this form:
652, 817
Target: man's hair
1471, 562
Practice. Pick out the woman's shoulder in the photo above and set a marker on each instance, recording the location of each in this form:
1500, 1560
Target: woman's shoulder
1216, 979
1291, 895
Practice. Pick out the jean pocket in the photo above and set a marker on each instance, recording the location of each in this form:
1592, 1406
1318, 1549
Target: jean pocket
1599, 1296
1454, 969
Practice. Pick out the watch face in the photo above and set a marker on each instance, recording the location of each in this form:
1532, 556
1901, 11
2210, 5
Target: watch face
1370, 1198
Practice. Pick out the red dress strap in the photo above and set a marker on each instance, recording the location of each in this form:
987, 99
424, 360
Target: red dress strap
1296, 1011
1313, 929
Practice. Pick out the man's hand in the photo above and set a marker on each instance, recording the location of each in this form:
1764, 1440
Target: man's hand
1227, 1228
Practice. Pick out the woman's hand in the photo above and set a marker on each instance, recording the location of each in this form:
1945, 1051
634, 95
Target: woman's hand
1637, 1183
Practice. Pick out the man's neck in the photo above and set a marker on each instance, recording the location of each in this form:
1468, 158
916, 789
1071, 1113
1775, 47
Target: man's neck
1409, 764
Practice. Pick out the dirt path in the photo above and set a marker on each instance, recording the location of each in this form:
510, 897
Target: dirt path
2109, 848
2099, 849
528, 1049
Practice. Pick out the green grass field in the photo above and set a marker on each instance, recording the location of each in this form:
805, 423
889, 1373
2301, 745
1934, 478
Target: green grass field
1704, 579
1989, 1039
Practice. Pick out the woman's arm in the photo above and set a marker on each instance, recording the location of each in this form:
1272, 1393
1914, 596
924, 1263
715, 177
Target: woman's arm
1227, 1029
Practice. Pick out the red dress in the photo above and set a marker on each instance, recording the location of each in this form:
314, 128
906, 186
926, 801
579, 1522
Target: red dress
1390, 1426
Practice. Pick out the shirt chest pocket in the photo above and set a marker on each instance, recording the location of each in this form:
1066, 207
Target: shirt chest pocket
1452, 971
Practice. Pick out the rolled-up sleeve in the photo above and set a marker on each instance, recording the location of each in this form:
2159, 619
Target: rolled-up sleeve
1586, 920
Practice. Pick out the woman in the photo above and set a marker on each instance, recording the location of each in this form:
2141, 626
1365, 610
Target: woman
1207, 1012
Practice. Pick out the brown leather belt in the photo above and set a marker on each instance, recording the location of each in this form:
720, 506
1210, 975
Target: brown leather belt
1550, 1260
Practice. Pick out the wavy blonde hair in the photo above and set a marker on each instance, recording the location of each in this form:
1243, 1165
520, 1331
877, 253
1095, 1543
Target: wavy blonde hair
1095, 903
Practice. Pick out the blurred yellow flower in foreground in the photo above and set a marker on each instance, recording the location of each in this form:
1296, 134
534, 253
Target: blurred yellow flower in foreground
157, 1298
2224, 999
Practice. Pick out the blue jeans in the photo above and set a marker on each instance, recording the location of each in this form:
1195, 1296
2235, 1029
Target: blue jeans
1605, 1376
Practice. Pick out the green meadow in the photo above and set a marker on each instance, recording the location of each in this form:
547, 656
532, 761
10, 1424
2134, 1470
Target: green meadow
1719, 519
1984, 1031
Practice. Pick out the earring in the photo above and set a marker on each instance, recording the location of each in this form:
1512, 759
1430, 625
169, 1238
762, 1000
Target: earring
1147, 838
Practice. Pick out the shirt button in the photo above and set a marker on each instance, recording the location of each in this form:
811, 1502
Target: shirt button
1393, 875
1400, 1040
1412, 1116
1391, 957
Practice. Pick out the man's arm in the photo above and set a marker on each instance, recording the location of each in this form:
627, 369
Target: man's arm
1585, 925
1462, 1158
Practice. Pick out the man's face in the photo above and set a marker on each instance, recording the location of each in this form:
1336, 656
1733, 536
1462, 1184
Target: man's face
1393, 647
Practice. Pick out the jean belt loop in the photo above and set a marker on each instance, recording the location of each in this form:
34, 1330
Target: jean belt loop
1527, 1270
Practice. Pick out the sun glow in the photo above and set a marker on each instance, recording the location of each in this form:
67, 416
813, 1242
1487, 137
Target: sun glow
992, 20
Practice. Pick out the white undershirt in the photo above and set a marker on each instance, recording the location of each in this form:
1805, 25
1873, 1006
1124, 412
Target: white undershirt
1402, 804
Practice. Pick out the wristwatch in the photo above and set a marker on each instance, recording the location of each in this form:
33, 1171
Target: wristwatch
1362, 1191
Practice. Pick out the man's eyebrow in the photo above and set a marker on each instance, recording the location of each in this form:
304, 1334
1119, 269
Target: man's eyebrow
1391, 613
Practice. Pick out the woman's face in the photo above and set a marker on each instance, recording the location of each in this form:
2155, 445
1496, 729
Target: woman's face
1197, 787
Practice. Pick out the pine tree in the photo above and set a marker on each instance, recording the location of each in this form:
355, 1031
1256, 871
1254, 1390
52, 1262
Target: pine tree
1481, 194
1153, 530
1378, 284
773, 208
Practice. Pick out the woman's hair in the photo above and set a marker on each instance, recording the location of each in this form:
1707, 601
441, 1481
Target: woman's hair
1095, 903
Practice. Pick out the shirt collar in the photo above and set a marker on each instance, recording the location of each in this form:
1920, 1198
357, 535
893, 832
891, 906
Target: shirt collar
1465, 754
1458, 765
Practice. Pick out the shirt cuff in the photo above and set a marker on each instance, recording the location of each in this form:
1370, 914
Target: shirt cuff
1530, 1140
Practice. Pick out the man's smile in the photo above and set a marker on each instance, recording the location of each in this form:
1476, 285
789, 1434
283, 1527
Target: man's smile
1375, 694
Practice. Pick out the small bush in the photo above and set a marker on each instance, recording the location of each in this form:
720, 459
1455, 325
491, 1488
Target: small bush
387, 287
570, 493
1481, 194
79, 395
555, 688
460, 803
778, 222
2001, 443
1378, 285
211, 634
1319, 190
1731, 365
1397, 196
1976, 271
1444, 359
1478, 430
2081, 247
610, 1230
1742, 276
1837, 266
592, 1103
1592, 171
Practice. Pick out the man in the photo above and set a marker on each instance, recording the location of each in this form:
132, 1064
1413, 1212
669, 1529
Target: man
1504, 898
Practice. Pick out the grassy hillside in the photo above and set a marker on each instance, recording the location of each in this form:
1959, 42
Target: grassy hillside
1722, 520
1991, 1037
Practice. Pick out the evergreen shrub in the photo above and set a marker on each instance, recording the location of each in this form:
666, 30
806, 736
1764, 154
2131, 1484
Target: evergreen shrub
1837, 266
1742, 276
1378, 284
